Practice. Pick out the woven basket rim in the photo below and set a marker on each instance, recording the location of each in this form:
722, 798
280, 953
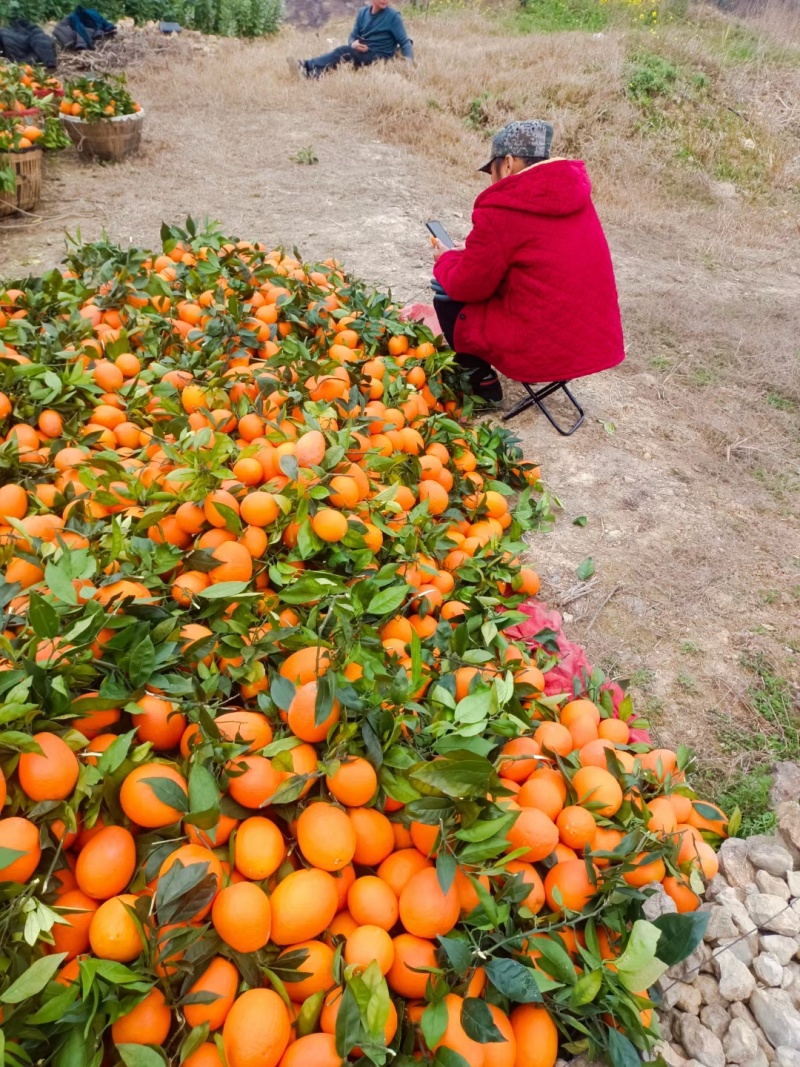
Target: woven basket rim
97, 122
21, 151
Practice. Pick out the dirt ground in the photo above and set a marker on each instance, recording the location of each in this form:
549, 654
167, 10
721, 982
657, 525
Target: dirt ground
693, 526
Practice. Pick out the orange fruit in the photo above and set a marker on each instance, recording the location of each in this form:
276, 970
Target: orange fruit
372, 902
679, 890
313, 1050
74, 939
195, 856
302, 715
51, 775
535, 832
22, 836
317, 965
543, 794
374, 836
614, 730
576, 827
303, 905
705, 816
354, 783
425, 911
411, 952
222, 980
159, 722
259, 848
253, 781
500, 1053
455, 1037
326, 836
368, 943
662, 818
113, 934
206, 1056
398, 868
645, 870
536, 1036
515, 766
242, 916
329, 525
553, 737
305, 665
140, 801
535, 899
107, 863
146, 1024
256, 1030
567, 886
594, 785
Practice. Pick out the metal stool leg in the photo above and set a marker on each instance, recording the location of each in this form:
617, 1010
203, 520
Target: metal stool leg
537, 397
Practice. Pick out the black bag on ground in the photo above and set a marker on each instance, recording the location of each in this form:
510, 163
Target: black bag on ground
25, 42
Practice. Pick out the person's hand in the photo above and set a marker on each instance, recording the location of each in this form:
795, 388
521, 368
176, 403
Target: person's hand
359, 46
438, 248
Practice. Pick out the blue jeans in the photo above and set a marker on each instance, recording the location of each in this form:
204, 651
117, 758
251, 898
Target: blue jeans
344, 54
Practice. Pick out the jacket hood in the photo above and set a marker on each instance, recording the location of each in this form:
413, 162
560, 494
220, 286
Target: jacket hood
557, 187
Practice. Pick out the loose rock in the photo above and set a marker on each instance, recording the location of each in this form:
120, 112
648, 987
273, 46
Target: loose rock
705, 1046
734, 864
768, 969
733, 900
735, 980
709, 990
793, 880
720, 922
768, 883
657, 903
777, 1017
787, 815
769, 912
743, 948
716, 1018
782, 948
785, 783
786, 1057
741, 1011
767, 855
740, 1043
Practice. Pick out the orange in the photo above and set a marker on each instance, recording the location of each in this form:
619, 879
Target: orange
455, 1037
501, 1053
140, 801
397, 869
553, 737
679, 890
22, 836
542, 794
146, 1024
568, 887
645, 870
326, 836
662, 818
242, 726
594, 785
534, 832
536, 1036
234, 563
701, 818
515, 766
576, 827
242, 916
577, 709
113, 934
225, 499
195, 856
368, 943
372, 902
411, 952
253, 781
318, 965
74, 939
662, 762
303, 905
259, 509
302, 715
305, 665
159, 722
206, 1056
425, 911
221, 979
614, 730
259, 848
107, 863
329, 525
257, 1030
313, 1050
13, 502
51, 775
354, 783
535, 899
374, 836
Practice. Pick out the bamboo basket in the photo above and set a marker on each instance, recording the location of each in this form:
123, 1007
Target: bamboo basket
108, 139
27, 167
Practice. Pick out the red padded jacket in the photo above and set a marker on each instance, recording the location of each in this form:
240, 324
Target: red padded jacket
536, 277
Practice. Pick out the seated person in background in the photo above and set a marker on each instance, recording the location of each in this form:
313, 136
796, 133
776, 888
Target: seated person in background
377, 34
532, 293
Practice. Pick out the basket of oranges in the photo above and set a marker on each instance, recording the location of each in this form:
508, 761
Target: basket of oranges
20, 165
102, 119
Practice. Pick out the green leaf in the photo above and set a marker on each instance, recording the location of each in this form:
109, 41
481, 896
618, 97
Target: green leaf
586, 988
387, 600
34, 979
586, 569
447, 1057
184, 891
622, 1051
581, 520
326, 692
458, 952
477, 1021
637, 967
60, 584
556, 961
204, 796
680, 935
168, 792
223, 590
434, 1022
460, 775
116, 753
193, 1040
446, 867
8, 855
282, 692
140, 1056
514, 980
141, 662
349, 1031
43, 617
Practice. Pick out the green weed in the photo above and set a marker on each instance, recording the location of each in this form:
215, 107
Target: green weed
554, 16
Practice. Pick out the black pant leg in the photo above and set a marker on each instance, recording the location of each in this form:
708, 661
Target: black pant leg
483, 377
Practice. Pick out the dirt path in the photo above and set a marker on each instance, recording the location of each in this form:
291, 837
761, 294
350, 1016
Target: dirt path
697, 560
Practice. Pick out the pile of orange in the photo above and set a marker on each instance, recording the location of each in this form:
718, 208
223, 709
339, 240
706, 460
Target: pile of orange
276, 785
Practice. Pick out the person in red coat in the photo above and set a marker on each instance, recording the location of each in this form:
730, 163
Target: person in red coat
532, 293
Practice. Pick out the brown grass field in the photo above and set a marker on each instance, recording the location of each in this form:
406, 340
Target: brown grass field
688, 467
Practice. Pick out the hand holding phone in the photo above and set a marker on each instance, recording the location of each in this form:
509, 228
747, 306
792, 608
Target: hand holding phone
439, 233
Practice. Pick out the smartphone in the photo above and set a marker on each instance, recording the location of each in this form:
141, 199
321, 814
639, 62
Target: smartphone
440, 233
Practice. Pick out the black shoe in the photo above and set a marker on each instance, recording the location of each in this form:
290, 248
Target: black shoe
487, 387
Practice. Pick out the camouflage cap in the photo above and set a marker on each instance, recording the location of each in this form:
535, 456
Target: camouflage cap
530, 139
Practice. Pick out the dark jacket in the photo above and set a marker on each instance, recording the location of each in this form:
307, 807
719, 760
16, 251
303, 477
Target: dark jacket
383, 33
23, 42
537, 279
